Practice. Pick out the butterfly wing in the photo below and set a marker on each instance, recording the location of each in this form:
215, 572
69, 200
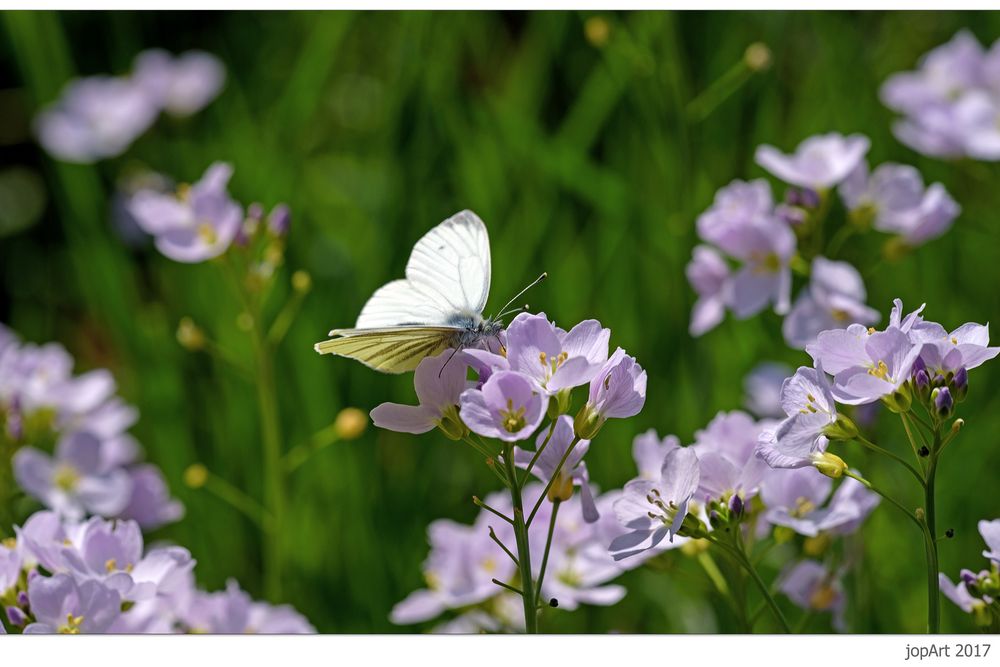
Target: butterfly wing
388, 349
447, 276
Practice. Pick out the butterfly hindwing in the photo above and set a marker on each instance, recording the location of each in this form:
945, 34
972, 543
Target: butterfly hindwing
389, 349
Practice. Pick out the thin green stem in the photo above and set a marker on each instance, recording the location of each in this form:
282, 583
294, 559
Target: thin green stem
270, 427
737, 551
912, 439
510, 588
553, 478
534, 459
493, 536
479, 503
523, 550
320, 440
231, 495
548, 545
881, 450
892, 500
933, 590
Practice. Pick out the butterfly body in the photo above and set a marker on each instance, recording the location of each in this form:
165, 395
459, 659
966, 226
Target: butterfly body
437, 306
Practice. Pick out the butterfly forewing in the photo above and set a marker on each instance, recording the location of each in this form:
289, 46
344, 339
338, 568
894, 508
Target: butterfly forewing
447, 275
389, 350
444, 293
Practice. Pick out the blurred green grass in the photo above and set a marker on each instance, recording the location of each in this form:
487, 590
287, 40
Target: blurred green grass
583, 162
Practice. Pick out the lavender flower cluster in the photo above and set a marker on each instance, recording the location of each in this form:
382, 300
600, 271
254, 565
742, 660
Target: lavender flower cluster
681, 494
99, 117
911, 360
66, 573
69, 436
950, 104
768, 240
202, 221
977, 593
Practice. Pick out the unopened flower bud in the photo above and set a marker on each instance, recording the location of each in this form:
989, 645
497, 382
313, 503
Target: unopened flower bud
692, 526
196, 475
279, 220
956, 426
587, 423
16, 617
189, 335
597, 30
22, 599
900, 400
736, 506
452, 425
969, 577
301, 281
350, 423
561, 489
981, 614
842, 429
922, 383
943, 402
757, 57
817, 546
960, 384
830, 465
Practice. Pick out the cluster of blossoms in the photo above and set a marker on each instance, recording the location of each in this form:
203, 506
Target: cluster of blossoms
96, 576
464, 560
528, 376
716, 488
912, 361
978, 593
951, 103
769, 239
99, 117
201, 221
80, 566
68, 438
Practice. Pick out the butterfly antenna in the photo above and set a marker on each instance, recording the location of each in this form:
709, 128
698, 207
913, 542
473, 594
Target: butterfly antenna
521, 293
519, 309
453, 353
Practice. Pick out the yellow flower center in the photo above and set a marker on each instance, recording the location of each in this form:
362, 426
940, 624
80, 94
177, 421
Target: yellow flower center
880, 371
803, 506
488, 565
765, 262
72, 626
552, 364
207, 233
66, 477
9, 543
823, 597
839, 315
111, 565
513, 420
183, 192
667, 511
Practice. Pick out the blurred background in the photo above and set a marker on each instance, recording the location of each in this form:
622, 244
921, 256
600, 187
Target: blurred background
588, 145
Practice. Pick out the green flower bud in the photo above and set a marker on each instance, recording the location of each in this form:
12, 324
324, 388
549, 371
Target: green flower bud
842, 429
900, 400
452, 425
587, 423
830, 465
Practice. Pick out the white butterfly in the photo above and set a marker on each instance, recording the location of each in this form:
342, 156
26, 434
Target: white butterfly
439, 305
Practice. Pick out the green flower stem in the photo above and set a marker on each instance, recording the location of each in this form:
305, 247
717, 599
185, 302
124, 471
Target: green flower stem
555, 475
892, 500
548, 545
300, 454
933, 589
881, 450
231, 495
523, 551
270, 427
913, 441
534, 459
738, 553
